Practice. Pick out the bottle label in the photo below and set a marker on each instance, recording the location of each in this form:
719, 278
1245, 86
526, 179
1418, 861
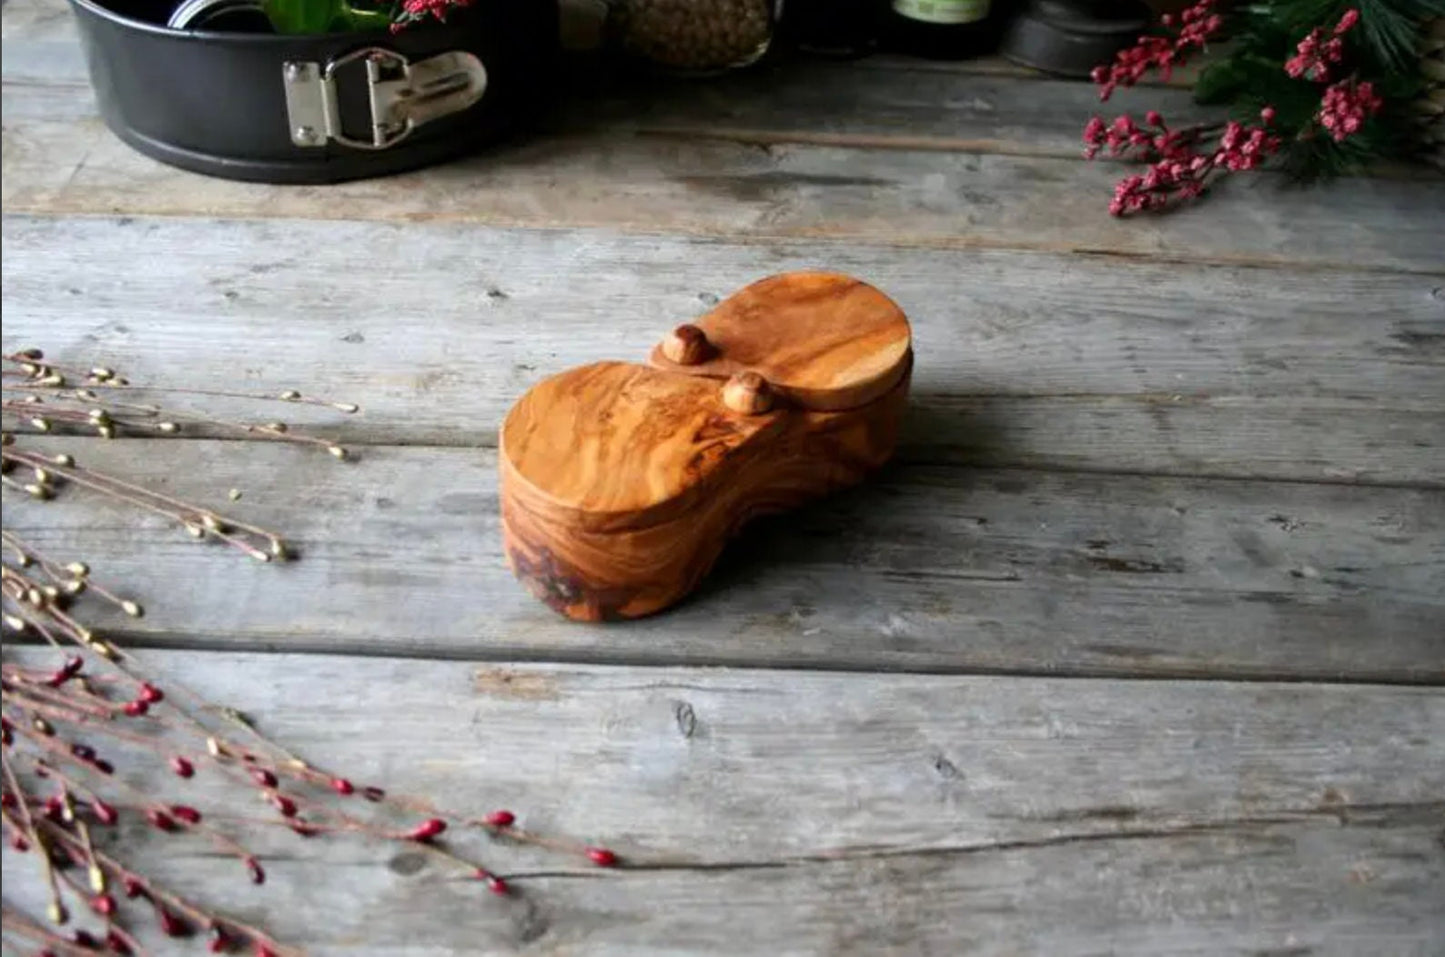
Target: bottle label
942, 11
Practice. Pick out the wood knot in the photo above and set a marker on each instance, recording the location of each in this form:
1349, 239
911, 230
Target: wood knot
748, 393
687, 346
407, 863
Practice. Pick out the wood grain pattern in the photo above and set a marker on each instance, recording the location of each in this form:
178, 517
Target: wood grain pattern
794, 813
921, 568
621, 483
623, 445
599, 565
1035, 360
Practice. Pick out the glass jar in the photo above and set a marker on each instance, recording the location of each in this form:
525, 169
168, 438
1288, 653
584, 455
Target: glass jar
832, 28
695, 36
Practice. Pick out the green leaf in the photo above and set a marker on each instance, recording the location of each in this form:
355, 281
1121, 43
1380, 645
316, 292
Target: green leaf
1219, 83
303, 16
352, 19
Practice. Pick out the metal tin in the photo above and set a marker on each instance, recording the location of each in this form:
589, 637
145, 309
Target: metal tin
1071, 37
222, 103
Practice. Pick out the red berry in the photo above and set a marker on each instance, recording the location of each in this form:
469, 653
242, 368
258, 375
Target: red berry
7, 801
150, 694
133, 887
263, 777
258, 876
602, 857
53, 808
427, 829
160, 820
264, 950
136, 708
501, 818
84, 938
220, 940
171, 925
497, 886
284, 804
182, 767
18, 841
342, 786
186, 813
117, 943
103, 904
104, 813
304, 829
65, 672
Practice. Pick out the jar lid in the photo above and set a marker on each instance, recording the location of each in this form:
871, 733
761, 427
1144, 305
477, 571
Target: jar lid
824, 341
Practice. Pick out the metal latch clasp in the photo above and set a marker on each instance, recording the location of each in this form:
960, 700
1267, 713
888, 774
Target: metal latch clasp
403, 95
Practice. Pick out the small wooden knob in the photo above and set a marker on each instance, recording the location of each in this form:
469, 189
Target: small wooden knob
687, 346
748, 393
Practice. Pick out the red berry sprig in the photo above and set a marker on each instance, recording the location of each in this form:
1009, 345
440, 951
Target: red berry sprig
1316, 53
1185, 34
1183, 162
1345, 107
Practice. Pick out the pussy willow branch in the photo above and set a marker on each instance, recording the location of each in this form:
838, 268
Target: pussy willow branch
64, 727
35, 386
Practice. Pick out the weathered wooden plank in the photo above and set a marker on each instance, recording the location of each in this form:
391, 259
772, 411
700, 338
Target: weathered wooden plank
923, 569
645, 183
807, 813
891, 105
1035, 360
39, 20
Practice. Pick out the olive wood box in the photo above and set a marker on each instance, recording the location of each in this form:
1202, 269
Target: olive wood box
621, 482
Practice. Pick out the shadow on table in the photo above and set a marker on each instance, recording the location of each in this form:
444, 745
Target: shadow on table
883, 513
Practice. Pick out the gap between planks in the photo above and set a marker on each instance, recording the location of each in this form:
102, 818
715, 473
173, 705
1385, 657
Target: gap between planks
197, 641
817, 239
906, 457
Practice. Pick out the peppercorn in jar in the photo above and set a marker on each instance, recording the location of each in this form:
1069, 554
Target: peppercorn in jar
695, 36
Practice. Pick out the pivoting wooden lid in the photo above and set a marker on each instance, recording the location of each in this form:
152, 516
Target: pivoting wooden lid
822, 340
616, 445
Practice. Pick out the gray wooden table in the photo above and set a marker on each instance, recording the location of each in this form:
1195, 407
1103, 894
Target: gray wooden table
1138, 648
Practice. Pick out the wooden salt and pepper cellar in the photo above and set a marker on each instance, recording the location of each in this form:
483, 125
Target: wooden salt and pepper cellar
622, 482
